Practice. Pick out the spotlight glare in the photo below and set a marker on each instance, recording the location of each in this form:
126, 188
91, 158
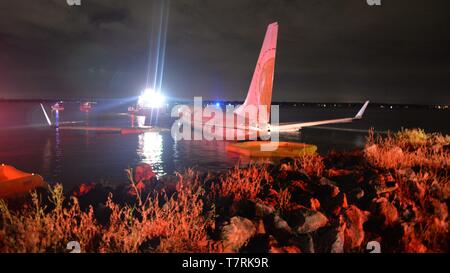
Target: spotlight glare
151, 99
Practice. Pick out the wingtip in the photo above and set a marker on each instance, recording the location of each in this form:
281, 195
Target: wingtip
46, 116
360, 114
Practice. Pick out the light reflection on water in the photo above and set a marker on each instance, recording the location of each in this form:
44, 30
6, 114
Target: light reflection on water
149, 150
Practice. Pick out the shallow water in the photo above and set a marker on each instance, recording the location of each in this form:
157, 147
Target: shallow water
78, 157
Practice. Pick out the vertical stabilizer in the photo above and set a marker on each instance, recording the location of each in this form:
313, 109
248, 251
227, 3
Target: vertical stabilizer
260, 91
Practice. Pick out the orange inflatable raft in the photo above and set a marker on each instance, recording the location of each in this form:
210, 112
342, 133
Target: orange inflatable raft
272, 149
16, 183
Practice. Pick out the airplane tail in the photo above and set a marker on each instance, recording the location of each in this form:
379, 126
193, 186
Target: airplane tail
260, 91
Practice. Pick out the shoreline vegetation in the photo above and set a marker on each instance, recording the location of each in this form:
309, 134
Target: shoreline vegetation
395, 191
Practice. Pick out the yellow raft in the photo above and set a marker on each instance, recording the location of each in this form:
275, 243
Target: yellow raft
15, 183
272, 149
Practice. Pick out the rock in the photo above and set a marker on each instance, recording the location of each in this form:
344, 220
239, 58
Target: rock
325, 181
313, 220
285, 167
257, 244
279, 228
383, 184
272, 242
315, 204
297, 176
339, 239
83, 189
300, 186
93, 195
284, 249
304, 242
331, 238
150, 245
385, 211
275, 247
300, 194
260, 229
340, 203
333, 172
237, 233
244, 208
143, 172
354, 233
335, 205
356, 194
263, 210
383, 189
328, 188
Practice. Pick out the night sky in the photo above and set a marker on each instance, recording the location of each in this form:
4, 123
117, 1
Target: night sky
328, 50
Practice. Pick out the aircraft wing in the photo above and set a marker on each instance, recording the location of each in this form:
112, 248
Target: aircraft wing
293, 127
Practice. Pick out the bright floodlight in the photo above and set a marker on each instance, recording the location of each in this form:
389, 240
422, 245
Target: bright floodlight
151, 99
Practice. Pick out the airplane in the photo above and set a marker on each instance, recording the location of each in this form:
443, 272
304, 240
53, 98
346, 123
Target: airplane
259, 96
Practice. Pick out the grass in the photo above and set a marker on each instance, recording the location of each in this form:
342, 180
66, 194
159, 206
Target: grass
179, 225
409, 148
241, 184
425, 192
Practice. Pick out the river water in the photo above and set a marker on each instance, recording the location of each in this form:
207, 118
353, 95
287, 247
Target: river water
72, 157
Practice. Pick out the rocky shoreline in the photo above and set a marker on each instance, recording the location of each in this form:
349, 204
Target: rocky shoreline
337, 203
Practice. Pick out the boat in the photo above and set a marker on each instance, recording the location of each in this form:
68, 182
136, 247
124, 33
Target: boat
271, 149
14, 182
86, 106
59, 106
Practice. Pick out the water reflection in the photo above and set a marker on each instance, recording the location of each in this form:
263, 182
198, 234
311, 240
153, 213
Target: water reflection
203, 155
57, 118
150, 149
47, 156
58, 155
137, 121
52, 156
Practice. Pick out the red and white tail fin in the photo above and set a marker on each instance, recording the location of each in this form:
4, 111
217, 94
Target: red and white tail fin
260, 91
